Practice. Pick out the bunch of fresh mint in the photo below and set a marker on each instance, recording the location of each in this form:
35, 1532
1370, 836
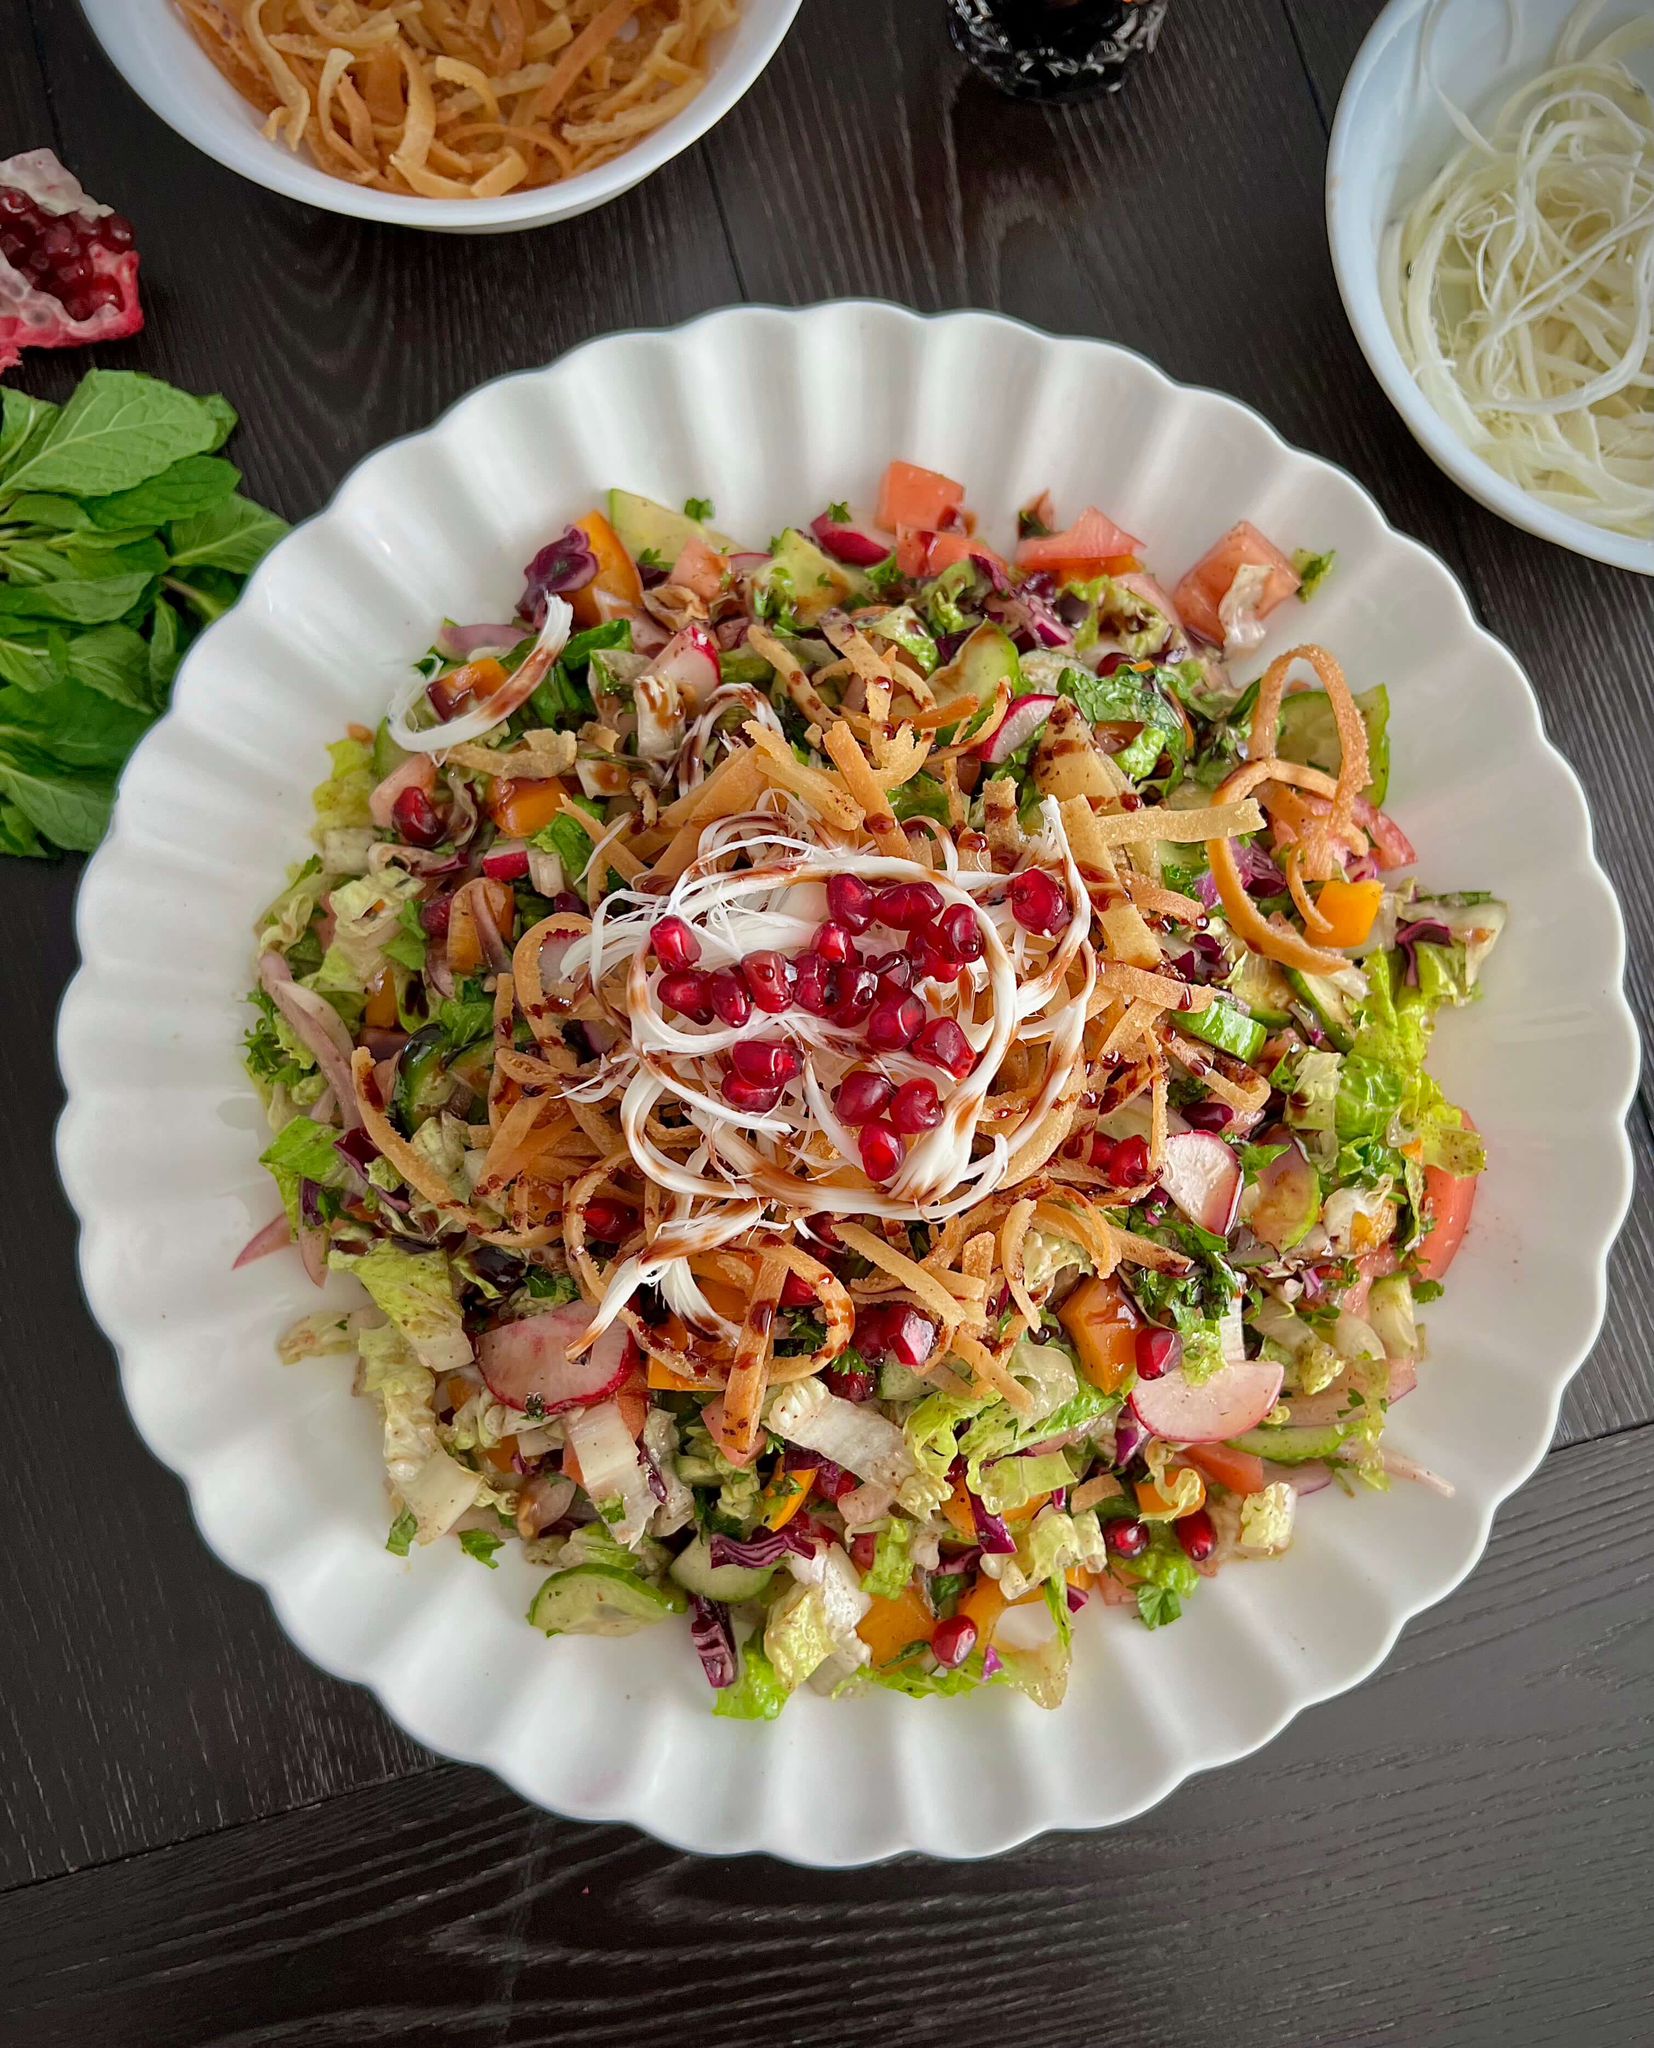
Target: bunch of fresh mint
121, 534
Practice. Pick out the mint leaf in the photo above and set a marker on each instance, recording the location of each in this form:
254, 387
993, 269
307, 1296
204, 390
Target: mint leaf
24, 423
479, 1544
223, 416
166, 636
194, 485
70, 808
80, 727
76, 600
119, 429
401, 1535
235, 536
114, 661
17, 835
26, 659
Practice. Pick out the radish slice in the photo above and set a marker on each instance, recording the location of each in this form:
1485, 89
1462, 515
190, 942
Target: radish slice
1203, 1177
531, 1357
1228, 1404
511, 696
417, 772
1016, 728
689, 661
855, 540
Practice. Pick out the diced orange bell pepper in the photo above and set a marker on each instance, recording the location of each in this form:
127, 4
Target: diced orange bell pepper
1350, 909
464, 945
1104, 1329
1013, 1518
381, 1004
501, 1457
784, 1496
474, 682
957, 1509
665, 1381
891, 1626
1151, 1501
616, 586
520, 809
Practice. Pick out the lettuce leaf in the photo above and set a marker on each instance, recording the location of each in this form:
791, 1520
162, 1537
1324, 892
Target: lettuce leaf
342, 800
757, 1694
1386, 1101
416, 1291
892, 1564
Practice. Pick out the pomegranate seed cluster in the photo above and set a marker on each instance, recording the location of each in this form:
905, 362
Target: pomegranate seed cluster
58, 253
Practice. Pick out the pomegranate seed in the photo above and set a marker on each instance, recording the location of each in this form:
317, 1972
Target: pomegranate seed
912, 1337
861, 1096
1126, 1539
916, 1107
1197, 1535
881, 1151
1129, 1438
892, 1024
936, 961
943, 1044
1130, 1163
767, 1061
952, 1641
571, 905
509, 866
851, 1383
962, 931
858, 992
609, 1222
796, 1292
1208, 1116
908, 905
687, 994
769, 982
1038, 903
756, 1096
416, 818
816, 986
1157, 1352
895, 972
433, 916
114, 231
863, 1549
833, 942
833, 1482
727, 993
674, 943
851, 902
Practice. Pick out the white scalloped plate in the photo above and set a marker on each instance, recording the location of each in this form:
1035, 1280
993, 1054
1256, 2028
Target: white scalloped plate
772, 414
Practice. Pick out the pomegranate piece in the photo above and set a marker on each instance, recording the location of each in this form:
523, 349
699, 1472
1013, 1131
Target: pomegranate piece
895, 1329
1157, 1352
768, 1061
1126, 1539
509, 864
851, 902
834, 943
816, 987
863, 1550
726, 991
961, 932
68, 270
755, 1096
674, 943
895, 972
1038, 903
1130, 1163
688, 994
943, 1044
917, 1107
937, 961
769, 982
858, 992
893, 1023
796, 1292
861, 1096
609, 1222
881, 1151
416, 818
1197, 1535
952, 1641
908, 905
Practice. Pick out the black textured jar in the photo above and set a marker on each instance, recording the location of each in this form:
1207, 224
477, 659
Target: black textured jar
1055, 49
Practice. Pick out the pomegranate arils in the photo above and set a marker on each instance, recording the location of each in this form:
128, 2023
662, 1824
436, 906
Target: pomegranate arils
952, 1641
858, 992
1130, 1163
1038, 903
908, 905
1197, 1535
962, 932
674, 943
895, 972
609, 1222
916, 1107
767, 1061
861, 1096
943, 1044
834, 943
796, 1292
1126, 1539
1208, 1116
863, 1550
851, 1383
769, 982
433, 916
416, 818
756, 1096
68, 274
881, 1151
687, 993
895, 1329
892, 1024
936, 960
816, 986
1157, 1352
851, 902
727, 993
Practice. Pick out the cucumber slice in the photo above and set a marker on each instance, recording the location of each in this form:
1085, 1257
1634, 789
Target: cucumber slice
696, 1573
902, 627
1330, 1006
601, 1600
1287, 1203
645, 527
1309, 735
1262, 987
987, 659
1225, 1025
896, 1383
1292, 1446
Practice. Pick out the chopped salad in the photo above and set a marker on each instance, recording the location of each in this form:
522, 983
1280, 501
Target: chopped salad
875, 1086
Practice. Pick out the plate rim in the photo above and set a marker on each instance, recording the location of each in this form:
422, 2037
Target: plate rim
1402, 1606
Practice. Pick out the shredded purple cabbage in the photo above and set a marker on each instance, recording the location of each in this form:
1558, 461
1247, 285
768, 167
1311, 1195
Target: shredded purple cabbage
651, 1472
1424, 931
310, 1204
562, 565
714, 1640
992, 1662
1076, 1599
1259, 876
995, 1538
1129, 1437
764, 1546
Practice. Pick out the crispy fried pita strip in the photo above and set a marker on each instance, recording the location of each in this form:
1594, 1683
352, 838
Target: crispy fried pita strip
732, 787
749, 1372
1154, 821
508, 1149
418, 1171
1246, 1096
999, 819
1160, 901
923, 1285
795, 677
1012, 1234
864, 789
536, 757
825, 794
1135, 1020
990, 1368
1159, 989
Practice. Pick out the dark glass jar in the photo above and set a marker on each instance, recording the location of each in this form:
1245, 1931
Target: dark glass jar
1055, 49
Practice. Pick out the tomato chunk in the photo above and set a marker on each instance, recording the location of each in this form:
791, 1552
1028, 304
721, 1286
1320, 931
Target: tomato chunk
1091, 541
616, 587
911, 496
1203, 590
1448, 1201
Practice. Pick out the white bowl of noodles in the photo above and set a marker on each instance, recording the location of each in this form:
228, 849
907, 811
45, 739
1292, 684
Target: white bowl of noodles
665, 71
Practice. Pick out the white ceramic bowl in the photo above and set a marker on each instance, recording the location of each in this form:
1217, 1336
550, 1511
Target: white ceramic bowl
1390, 138
149, 44
773, 414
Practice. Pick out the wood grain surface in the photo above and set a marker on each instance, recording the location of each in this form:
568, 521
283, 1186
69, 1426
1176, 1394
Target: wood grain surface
203, 1840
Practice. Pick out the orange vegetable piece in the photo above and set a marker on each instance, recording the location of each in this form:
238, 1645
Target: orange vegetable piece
891, 1626
785, 1495
957, 1509
1103, 1327
381, 1004
465, 954
502, 1457
1223, 1466
911, 496
520, 809
1088, 545
664, 1380
1350, 909
1151, 1501
1013, 1518
1207, 584
476, 681
616, 585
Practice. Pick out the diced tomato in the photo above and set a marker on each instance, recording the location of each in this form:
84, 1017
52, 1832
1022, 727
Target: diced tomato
1091, 542
927, 554
616, 587
1238, 1470
911, 496
1391, 846
1448, 1201
1207, 584
700, 569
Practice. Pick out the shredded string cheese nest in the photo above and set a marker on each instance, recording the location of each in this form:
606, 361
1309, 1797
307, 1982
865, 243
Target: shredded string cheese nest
1521, 284
461, 99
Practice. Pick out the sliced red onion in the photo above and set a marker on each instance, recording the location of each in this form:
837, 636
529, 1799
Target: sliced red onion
992, 1662
1076, 1599
652, 1473
562, 565
318, 1027
313, 1251
714, 1640
763, 1547
1424, 931
275, 1234
471, 643
992, 1534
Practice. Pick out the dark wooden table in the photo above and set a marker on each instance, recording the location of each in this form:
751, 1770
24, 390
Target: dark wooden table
203, 1840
